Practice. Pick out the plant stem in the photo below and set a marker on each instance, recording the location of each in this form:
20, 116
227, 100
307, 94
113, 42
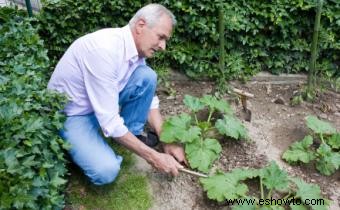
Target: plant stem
270, 193
321, 137
210, 114
196, 119
287, 196
312, 71
221, 28
201, 142
261, 188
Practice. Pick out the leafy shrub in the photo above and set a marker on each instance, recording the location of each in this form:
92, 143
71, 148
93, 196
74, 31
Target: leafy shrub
199, 136
62, 21
32, 163
327, 155
265, 36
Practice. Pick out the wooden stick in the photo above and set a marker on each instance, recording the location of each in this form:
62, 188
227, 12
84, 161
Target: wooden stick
193, 173
243, 93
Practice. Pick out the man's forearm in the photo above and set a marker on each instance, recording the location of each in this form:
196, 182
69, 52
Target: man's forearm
135, 145
155, 120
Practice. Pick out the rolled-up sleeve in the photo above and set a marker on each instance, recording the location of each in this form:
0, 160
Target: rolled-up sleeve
155, 103
100, 78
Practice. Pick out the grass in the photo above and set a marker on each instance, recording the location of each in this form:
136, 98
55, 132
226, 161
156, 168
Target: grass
129, 191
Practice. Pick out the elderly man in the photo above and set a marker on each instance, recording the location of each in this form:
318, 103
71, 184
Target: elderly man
111, 89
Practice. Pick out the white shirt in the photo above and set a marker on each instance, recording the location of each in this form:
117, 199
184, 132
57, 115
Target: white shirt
92, 72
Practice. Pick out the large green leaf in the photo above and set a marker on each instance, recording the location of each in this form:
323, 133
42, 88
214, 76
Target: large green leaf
231, 126
202, 153
224, 186
243, 173
188, 136
334, 141
307, 191
328, 161
227, 185
319, 126
168, 134
215, 104
174, 127
182, 121
300, 151
274, 178
193, 103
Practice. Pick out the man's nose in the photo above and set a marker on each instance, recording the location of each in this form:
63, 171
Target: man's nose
162, 44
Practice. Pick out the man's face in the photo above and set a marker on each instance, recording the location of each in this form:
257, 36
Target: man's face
149, 40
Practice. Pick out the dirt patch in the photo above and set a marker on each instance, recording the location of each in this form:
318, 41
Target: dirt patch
274, 126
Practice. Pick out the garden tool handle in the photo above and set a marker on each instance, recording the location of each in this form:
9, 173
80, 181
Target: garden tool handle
193, 172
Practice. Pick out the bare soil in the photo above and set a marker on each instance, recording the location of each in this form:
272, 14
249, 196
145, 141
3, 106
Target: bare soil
274, 125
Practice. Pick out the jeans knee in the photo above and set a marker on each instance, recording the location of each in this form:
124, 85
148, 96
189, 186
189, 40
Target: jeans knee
148, 76
105, 173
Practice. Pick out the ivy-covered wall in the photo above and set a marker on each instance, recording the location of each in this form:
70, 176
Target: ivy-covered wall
260, 35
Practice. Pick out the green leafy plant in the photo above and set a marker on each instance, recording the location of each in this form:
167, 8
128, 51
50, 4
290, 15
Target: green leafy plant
32, 163
327, 154
265, 36
199, 136
272, 182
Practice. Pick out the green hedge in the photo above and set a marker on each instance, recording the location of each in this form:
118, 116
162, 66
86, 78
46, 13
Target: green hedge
32, 164
273, 36
267, 35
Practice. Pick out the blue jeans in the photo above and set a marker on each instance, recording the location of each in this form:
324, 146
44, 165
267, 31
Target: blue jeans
89, 150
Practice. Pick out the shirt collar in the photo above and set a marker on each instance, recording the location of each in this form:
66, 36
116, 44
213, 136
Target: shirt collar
131, 53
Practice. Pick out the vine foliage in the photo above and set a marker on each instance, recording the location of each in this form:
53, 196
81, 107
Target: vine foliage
32, 163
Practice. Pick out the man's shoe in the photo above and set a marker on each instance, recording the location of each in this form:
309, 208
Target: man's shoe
151, 139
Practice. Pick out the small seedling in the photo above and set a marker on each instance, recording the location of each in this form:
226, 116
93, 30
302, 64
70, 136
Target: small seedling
327, 155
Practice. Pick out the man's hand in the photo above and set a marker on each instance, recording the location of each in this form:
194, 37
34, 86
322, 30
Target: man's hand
176, 151
166, 163
161, 161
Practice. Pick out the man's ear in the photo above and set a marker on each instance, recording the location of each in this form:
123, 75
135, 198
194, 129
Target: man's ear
140, 24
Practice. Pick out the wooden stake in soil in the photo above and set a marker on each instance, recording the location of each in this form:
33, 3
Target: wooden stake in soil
244, 95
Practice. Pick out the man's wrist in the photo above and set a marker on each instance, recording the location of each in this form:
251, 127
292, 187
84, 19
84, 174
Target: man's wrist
151, 156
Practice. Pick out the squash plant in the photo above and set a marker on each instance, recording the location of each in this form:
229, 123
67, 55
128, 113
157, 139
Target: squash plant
199, 136
276, 190
327, 155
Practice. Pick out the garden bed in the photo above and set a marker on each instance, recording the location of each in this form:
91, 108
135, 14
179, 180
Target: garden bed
274, 126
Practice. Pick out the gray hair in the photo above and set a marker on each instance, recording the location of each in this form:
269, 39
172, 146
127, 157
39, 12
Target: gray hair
151, 14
